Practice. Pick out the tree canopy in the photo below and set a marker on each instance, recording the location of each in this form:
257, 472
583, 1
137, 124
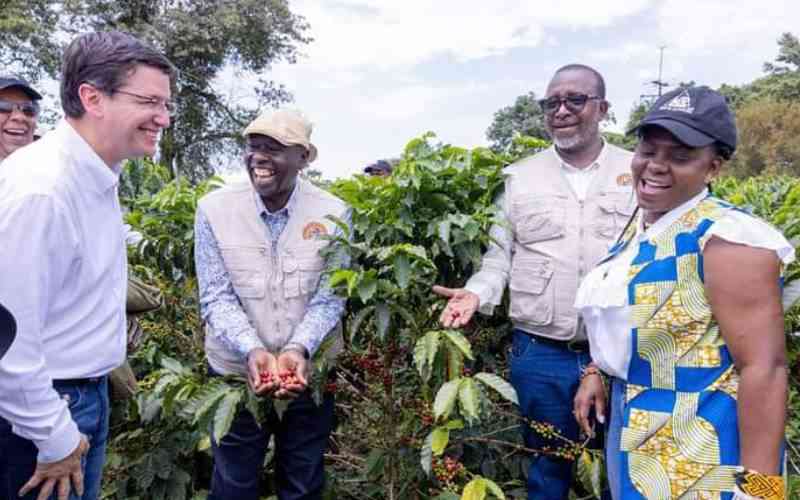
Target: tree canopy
201, 37
524, 117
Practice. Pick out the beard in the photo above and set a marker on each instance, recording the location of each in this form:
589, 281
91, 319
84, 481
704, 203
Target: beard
582, 138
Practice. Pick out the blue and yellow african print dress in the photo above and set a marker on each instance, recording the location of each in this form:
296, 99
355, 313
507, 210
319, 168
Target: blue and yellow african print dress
679, 436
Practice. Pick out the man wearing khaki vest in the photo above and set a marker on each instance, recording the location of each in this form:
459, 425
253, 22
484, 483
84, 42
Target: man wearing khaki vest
562, 208
267, 306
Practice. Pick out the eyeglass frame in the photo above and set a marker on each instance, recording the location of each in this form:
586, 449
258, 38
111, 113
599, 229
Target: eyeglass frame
168, 105
565, 101
32, 106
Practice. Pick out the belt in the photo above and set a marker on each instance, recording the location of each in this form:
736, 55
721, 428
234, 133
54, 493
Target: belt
570, 345
79, 381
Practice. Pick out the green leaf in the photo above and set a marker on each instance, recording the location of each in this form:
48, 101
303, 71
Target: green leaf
173, 365
496, 491
459, 340
446, 398
475, 489
454, 425
469, 396
367, 286
358, 320
440, 438
382, 317
425, 353
402, 271
498, 384
455, 362
226, 411
426, 454
375, 463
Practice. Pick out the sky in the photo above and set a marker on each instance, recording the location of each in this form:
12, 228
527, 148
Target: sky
379, 73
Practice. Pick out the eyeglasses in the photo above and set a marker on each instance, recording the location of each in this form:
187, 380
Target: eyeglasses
151, 102
29, 109
574, 103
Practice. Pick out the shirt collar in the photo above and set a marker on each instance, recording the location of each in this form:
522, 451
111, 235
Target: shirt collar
600, 160
668, 218
100, 176
287, 209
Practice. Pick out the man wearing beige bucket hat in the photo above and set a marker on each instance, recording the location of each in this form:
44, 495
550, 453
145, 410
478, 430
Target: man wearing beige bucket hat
267, 306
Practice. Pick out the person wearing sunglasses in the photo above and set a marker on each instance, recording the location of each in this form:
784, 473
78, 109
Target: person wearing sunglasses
63, 265
19, 108
562, 208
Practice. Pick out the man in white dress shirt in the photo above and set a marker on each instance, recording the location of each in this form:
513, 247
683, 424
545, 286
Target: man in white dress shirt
63, 263
563, 207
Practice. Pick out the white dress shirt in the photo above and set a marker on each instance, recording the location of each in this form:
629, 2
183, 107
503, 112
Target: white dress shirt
63, 267
602, 297
490, 282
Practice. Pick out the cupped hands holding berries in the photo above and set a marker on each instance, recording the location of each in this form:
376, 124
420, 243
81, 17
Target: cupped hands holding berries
284, 377
262, 367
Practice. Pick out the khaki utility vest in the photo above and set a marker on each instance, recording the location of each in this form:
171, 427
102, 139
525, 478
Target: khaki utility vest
273, 287
558, 239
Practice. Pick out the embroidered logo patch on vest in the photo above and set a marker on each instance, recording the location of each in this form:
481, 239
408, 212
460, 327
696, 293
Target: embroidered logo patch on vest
681, 102
313, 230
624, 180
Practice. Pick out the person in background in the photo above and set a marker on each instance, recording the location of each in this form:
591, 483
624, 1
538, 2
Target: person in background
63, 265
268, 308
380, 168
561, 210
19, 109
685, 315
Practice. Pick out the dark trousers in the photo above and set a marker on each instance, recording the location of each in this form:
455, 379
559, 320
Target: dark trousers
89, 407
546, 376
301, 438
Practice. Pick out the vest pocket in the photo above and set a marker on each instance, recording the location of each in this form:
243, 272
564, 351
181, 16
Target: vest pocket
248, 283
245, 269
538, 219
614, 211
532, 293
302, 276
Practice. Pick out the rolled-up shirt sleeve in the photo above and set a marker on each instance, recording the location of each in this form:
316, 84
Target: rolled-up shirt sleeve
219, 305
490, 281
325, 308
37, 250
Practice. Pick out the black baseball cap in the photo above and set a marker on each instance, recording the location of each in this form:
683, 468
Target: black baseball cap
7, 82
696, 116
8, 330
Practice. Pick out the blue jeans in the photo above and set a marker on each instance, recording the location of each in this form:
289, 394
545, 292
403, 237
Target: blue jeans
88, 404
301, 438
546, 378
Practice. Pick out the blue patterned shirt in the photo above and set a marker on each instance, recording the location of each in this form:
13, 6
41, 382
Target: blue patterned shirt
220, 307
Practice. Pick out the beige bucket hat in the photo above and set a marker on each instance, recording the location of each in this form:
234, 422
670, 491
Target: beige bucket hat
286, 126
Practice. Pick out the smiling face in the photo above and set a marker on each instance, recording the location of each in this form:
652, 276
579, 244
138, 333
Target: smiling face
575, 131
133, 124
16, 128
273, 168
667, 173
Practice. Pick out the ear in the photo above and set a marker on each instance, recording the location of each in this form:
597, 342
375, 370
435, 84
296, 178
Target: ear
93, 100
604, 107
713, 171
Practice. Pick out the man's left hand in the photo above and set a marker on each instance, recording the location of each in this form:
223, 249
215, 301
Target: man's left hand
293, 362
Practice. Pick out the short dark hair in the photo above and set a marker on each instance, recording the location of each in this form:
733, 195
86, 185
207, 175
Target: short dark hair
723, 150
600, 83
105, 60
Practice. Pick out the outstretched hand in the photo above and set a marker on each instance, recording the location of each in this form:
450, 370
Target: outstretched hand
460, 307
64, 475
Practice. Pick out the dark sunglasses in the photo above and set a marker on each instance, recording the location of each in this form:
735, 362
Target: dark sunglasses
574, 103
29, 109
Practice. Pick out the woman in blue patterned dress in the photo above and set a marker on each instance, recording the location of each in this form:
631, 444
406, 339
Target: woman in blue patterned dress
685, 315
